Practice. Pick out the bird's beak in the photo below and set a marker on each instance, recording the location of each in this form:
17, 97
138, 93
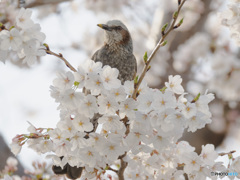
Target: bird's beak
104, 26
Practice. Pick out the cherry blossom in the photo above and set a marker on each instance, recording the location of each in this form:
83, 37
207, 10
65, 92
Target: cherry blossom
109, 77
107, 105
174, 84
64, 81
11, 39
208, 154
23, 18
25, 39
82, 123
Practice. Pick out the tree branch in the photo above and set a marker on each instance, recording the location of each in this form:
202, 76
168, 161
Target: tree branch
111, 169
48, 51
229, 153
43, 2
159, 44
122, 168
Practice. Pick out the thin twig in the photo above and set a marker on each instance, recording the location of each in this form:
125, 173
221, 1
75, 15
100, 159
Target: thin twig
37, 3
111, 169
159, 44
223, 154
48, 51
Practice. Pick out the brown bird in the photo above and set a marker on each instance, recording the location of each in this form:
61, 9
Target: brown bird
117, 52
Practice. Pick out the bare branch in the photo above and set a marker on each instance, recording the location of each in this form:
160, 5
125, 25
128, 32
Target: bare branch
44, 2
48, 51
159, 44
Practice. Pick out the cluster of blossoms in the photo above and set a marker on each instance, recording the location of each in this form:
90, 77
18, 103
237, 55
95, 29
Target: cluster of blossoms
221, 64
10, 167
23, 39
7, 11
146, 128
41, 171
184, 56
226, 70
231, 19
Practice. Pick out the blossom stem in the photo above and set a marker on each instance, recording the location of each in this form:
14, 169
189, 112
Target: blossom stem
159, 44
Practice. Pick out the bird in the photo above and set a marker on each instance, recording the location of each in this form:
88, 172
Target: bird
72, 172
117, 52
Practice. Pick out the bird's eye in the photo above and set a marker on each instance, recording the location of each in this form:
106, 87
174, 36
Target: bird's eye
118, 27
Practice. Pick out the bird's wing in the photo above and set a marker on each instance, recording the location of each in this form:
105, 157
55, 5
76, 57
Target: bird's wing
94, 57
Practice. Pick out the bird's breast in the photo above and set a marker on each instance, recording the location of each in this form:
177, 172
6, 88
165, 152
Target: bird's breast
123, 60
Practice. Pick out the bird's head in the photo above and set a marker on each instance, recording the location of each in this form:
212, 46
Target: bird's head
116, 33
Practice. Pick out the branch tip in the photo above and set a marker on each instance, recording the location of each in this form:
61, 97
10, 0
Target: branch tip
179, 2
145, 57
47, 47
161, 42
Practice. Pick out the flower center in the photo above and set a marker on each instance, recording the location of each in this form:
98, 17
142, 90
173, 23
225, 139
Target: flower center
21, 19
88, 103
107, 79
